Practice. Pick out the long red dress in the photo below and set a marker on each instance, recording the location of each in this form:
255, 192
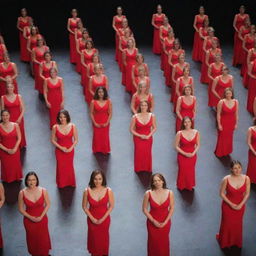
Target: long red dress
54, 96
72, 42
4, 72
118, 24
251, 88
199, 23
208, 46
186, 165
231, 227
158, 20
81, 46
11, 169
1, 239
37, 233
224, 144
46, 73
251, 167
246, 76
2, 52
33, 42
124, 45
65, 173
23, 42
14, 109
249, 44
95, 84
26, 54
185, 110
100, 140
98, 234
204, 32
158, 238
143, 148
165, 32
168, 46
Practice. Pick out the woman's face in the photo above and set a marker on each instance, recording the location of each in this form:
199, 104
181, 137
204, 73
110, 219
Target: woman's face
74, 13
79, 24
217, 58
5, 116
23, 12
158, 183
40, 42
201, 10
225, 71
236, 170
159, 9
85, 35
98, 70
140, 59
211, 33
214, 45
10, 88
63, 119
186, 72
6, 58
228, 95
206, 23
119, 11
98, 179
187, 123
176, 45
48, 57
101, 93
125, 23
141, 72
187, 91
53, 73
95, 59
144, 106
241, 10
89, 45
166, 21
130, 43
182, 58
33, 31
143, 88
32, 181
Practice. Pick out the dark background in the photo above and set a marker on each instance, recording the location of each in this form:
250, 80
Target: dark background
51, 17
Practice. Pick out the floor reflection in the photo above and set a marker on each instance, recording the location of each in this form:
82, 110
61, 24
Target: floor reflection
144, 178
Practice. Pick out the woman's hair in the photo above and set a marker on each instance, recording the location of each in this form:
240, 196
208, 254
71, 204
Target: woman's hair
47, 52
183, 122
93, 175
30, 174
139, 109
96, 94
235, 162
185, 87
65, 113
139, 55
229, 89
161, 177
141, 83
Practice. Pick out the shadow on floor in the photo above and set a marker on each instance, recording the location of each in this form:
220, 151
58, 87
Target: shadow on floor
233, 251
144, 178
66, 196
102, 160
12, 191
187, 196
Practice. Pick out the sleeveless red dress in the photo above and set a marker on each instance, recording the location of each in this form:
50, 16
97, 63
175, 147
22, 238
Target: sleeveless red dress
37, 233
118, 24
143, 148
33, 42
45, 73
130, 61
178, 73
208, 46
136, 70
39, 56
199, 24
120, 55
23, 41
2, 51
11, 169
251, 167
65, 173
249, 44
186, 165
4, 72
100, 141
137, 101
246, 76
251, 89
54, 97
204, 32
231, 227
95, 85
164, 35
98, 235
158, 20
185, 110
158, 238
14, 109
81, 46
168, 46
224, 144
26, 55
220, 88
72, 42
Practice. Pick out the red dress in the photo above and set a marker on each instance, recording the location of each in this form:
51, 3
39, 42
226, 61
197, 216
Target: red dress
168, 46
11, 169
246, 76
2, 52
251, 88
72, 42
45, 72
137, 101
204, 32
123, 41
130, 61
178, 73
251, 167
23, 41
33, 42
158, 238
249, 44
65, 173
98, 235
164, 35
118, 24
37, 233
208, 46
100, 141
137, 81
95, 84
158, 20
186, 165
185, 110
81, 46
224, 144
54, 96
231, 227
4, 72
14, 109
199, 23
143, 148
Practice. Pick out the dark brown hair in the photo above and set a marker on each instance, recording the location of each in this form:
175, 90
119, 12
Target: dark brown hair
47, 52
161, 177
93, 175
89, 41
65, 113
235, 162
30, 174
96, 94
2, 111
183, 121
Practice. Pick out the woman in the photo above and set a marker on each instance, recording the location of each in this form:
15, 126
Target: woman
186, 106
142, 94
34, 204
64, 138
14, 104
187, 143
240, 20
161, 202
23, 21
44, 69
54, 95
139, 64
251, 142
98, 203
203, 33
97, 80
129, 59
71, 26
227, 120
251, 86
117, 24
3, 49
26, 34
37, 57
157, 21
234, 191
2, 199
10, 138
142, 77
198, 23
143, 126
219, 85
101, 114
8, 70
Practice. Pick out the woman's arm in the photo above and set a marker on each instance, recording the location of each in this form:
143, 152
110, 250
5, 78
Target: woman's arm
209, 72
13, 151
219, 109
247, 193
47, 204
62, 93
134, 111
197, 143
177, 87
178, 108
109, 114
90, 86
54, 139
243, 45
153, 128
85, 204
22, 109
177, 145
2, 196
92, 114
214, 85
194, 110
171, 209
249, 141
15, 71
234, 23
75, 140
68, 27
133, 130
45, 94
194, 24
